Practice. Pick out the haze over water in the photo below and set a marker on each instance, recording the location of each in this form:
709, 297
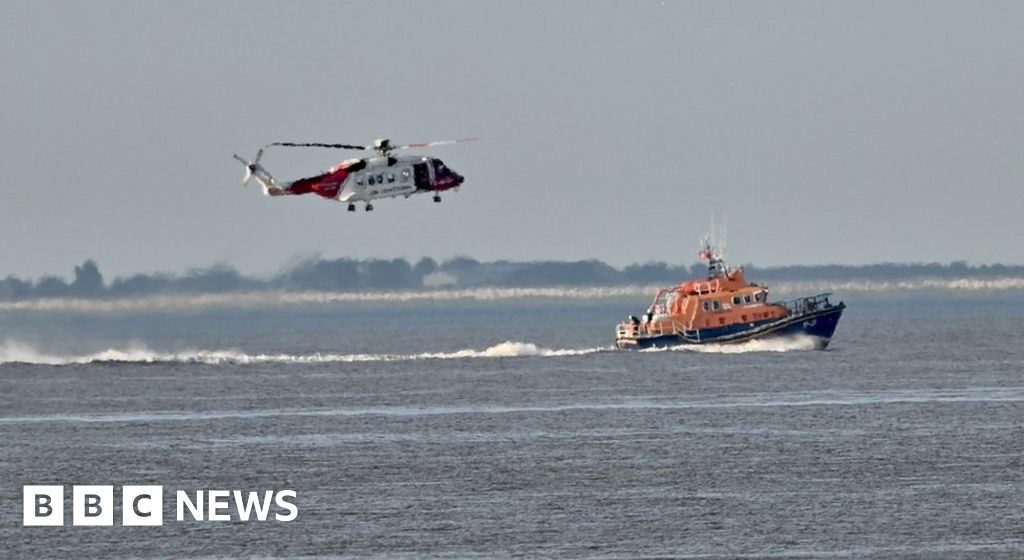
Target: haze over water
508, 428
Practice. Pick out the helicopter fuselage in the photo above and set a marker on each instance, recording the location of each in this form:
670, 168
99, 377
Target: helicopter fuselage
382, 176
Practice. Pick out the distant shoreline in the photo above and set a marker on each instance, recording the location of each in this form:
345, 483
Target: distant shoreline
275, 298
365, 278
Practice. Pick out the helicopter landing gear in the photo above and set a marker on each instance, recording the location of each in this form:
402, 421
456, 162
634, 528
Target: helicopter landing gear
351, 207
437, 198
369, 207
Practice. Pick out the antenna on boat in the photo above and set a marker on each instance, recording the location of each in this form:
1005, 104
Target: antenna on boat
723, 236
717, 236
713, 250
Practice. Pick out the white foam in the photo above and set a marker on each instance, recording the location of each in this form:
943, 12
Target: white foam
18, 352
12, 351
798, 343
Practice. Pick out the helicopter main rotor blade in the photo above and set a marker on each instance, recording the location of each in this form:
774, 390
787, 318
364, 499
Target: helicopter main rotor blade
435, 143
318, 145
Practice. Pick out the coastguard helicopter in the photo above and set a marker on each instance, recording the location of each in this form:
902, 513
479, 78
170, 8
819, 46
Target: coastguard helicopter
382, 175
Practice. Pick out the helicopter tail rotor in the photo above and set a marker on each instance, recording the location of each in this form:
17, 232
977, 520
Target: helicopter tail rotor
248, 171
253, 170
251, 167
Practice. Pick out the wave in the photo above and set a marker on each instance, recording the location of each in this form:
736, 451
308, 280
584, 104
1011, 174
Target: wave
17, 352
780, 399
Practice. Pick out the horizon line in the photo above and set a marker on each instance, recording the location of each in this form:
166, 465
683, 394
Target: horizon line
296, 262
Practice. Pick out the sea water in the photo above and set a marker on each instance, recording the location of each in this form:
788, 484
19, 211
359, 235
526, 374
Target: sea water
510, 428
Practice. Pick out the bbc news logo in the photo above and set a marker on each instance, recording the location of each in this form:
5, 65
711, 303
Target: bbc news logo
143, 505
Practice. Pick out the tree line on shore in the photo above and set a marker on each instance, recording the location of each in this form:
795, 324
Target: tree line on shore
345, 274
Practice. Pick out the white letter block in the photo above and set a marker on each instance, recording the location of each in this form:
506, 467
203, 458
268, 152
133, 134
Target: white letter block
92, 505
43, 506
142, 506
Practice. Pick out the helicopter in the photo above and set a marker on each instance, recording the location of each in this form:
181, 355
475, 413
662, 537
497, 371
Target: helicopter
381, 175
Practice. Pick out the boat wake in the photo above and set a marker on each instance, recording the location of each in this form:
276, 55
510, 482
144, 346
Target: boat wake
17, 352
799, 343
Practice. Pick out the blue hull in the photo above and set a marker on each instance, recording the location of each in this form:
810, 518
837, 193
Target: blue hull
820, 324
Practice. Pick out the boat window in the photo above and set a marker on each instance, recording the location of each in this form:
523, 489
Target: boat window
759, 296
736, 300
405, 173
746, 298
359, 180
380, 179
371, 181
716, 305
391, 177
707, 306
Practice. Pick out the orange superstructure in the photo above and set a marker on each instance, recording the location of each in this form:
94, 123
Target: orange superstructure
713, 302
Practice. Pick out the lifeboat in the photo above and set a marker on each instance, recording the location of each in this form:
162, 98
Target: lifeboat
724, 308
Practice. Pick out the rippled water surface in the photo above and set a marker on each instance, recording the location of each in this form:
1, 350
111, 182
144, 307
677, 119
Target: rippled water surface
509, 428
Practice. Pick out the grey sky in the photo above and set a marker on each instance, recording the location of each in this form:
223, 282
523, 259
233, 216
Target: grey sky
828, 132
